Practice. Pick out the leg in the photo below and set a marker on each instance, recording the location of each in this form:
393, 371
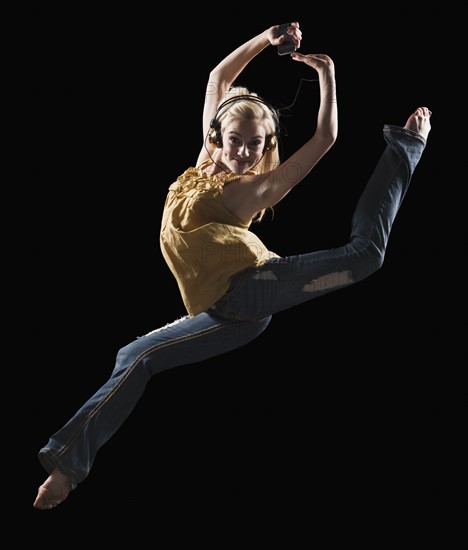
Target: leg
285, 282
70, 453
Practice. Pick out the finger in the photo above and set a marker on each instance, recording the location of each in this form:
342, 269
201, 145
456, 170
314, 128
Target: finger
299, 56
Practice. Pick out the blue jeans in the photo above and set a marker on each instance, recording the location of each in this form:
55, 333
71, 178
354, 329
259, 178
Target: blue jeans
243, 312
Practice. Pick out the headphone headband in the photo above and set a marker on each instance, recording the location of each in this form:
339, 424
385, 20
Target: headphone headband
244, 97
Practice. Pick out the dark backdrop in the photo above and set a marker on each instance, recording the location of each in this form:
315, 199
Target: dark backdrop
336, 398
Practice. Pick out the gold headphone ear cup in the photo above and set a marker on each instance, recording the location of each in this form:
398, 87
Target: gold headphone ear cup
271, 143
215, 137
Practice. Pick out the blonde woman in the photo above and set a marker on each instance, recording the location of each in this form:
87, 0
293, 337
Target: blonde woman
230, 281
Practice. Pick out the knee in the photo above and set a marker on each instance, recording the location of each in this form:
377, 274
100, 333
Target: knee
372, 262
376, 261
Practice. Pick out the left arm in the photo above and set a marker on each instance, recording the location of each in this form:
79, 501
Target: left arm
251, 194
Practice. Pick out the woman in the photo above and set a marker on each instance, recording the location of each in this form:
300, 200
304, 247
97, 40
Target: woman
230, 282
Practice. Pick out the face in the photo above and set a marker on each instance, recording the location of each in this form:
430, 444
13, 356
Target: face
243, 144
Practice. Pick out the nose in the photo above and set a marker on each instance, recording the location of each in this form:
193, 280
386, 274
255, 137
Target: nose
243, 151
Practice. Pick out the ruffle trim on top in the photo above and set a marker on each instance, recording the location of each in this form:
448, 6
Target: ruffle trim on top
197, 179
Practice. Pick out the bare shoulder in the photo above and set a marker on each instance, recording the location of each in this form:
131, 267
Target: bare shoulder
242, 196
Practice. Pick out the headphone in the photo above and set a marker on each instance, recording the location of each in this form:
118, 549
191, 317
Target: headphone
215, 136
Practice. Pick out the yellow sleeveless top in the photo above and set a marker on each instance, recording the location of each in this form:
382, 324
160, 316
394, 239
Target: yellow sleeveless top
203, 243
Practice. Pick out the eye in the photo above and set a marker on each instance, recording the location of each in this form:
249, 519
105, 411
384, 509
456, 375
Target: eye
234, 140
256, 143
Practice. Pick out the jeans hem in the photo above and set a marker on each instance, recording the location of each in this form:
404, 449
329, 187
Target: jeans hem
406, 131
49, 465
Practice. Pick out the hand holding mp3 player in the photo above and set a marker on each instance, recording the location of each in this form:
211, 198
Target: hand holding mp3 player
288, 45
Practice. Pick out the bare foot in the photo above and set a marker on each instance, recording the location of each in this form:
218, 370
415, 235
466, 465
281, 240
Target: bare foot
53, 491
419, 122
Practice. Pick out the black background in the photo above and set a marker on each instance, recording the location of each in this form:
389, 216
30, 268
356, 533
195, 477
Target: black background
339, 399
